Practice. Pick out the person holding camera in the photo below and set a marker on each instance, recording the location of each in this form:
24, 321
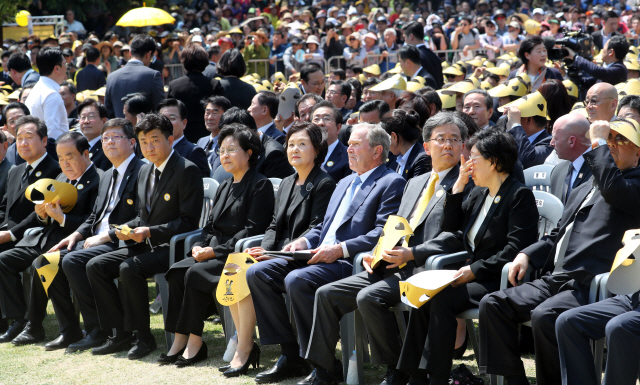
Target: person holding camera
613, 70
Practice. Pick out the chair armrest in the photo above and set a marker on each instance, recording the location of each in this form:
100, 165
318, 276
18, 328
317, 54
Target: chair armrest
438, 262
357, 262
191, 239
504, 277
604, 291
174, 241
31, 230
240, 245
595, 287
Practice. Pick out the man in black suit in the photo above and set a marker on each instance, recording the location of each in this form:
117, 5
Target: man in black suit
409, 59
4, 75
134, 77
170, 194
263, 109
336, 163
338, 93
116, 203
583, 245
214, 56
613, 54
215, 106
90, 77
571, 144
374, 291
609, 29
5, 165
73, 152
414, 35
92, 116
176, 112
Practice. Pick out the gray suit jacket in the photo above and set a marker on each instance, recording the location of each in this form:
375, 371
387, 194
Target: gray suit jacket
560, 172
5, 166
133, 77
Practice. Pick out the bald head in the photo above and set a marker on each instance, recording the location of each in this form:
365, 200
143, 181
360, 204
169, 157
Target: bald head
569, 138
601, 102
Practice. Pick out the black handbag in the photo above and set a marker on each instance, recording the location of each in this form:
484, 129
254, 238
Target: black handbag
463, 376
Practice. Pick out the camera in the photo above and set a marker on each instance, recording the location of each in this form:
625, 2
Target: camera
579, 42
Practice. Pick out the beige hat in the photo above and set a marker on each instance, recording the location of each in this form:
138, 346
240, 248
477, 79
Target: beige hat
373, 69
463, 87
572, 89
396, 82
515, 87
529, 105
502, 70
313, 39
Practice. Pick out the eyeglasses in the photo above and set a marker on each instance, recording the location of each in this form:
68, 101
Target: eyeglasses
474, 158
449, 76
227, 151
620, 140
115, 138
464, 25
316, 84
325, 119
442, 141
595, 102
173, 118
332, 92
90, 117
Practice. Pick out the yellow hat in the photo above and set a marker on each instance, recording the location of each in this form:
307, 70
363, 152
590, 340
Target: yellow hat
7, 87
279, 77
236, 30
486, 86
100, 91
14, 95
248, 79
577, 105
507, 56
448, 101
502, 70
474, 62
463, 87
414, 86
526, 79
631, 56
529, 105
522, 16
532, 27
515, 87
267, 84
571, 87
631, 88
488, 64
3, 102
620, 86
259, 87
396, 82
630, 132
452, 70
420, 80
634, 50
396, 70
632, 65
362, 78
598, 58
256, 76
445, 64
50, 190
373, 69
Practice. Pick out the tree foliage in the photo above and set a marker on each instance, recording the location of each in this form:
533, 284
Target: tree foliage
8, 9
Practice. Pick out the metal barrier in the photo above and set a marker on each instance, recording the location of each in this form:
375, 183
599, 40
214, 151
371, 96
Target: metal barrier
387, 62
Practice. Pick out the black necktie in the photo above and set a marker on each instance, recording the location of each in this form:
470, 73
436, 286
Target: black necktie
209, 147
25, 176
153, 187
112, 188
566, 190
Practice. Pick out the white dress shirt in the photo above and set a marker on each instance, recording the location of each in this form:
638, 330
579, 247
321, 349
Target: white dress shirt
103, 226
473, 231
416, 74
45, 103
441, 176
263, 129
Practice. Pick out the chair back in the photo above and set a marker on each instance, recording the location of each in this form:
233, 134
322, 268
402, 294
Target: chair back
538, 177
550, 210
276, 183
210, 188
220, 174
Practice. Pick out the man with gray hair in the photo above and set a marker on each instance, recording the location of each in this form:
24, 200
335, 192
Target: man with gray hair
377, 289
357, 212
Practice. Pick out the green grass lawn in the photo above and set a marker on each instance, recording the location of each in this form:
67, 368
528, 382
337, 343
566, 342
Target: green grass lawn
33, 365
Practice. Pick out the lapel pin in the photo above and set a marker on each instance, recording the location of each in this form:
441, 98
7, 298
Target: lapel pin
39, 173
406, 171
497, 200
580, 176
80, 187
90, 155
309, 186
130, 201
439, 193
330, 163
167, 197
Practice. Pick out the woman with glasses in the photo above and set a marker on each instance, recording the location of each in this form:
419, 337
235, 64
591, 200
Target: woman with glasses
242, 207
411, 159
533, 55
497, 220
354, 52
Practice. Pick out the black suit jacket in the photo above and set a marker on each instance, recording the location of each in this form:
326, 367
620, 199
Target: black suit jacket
176, 203
133, 77
427, 77
53, 232
273, 162
337, 166
613, 74
300, 213
598, 226
194, 154
125, 204
597, 39
558, 174
90, 78
5, 166
275, 134
98, 157
191, 89
531, 154
418, 162
211, 71
238, 92
15, 158
15, 208
213, 153
511, 225
432, 64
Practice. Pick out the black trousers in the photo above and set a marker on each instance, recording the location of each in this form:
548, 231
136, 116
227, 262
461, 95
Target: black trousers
188, 302
373, 294
74, 269
12, 263
541, 302
127, 309
431, 333
617, 319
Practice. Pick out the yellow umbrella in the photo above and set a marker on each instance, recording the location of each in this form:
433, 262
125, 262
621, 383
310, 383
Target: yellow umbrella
145, 16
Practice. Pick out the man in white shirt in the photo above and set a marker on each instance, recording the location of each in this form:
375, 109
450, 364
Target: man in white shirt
45, 101
72, 25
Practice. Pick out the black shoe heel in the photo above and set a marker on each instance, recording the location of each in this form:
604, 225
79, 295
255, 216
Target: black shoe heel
254, 359
459, 352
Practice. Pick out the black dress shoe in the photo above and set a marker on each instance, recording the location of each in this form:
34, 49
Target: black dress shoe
16, 327
253, 359
395, 377
318, 381
31, 334
119, 343
283, 369
458, 353
200, 356
166, 359
142, 348
308, 379
63, 341
4, 326
92, 340
223, 369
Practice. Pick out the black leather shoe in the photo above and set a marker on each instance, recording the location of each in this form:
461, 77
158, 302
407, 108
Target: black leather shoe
318, 381
223, 369
142, 348
308, 379
31, 334
119, 343
253, 359
395, 377
166, 359
63, 341
13, 331
92, 340
4, 326
200, 356
283, 369
458, 353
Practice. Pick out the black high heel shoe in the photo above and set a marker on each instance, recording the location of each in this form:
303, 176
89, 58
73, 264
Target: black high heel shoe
459, 352
254, 359
166, 359
223, 369
181, 362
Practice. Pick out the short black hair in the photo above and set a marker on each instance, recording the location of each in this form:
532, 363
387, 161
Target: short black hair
317, 137
41, 127
123, 123
496, 146
444, 118
345, 88
337, 115
171, 102
247, 138
18, 62
414, 28
340, 74
419, 104
371, 82
431, 97
5, 54
610, 14
213, 50
527, 46
70, 86
488, 99
102, 110
219, 101
308, 69
619, 45
152, 122
304, 98
356, 69
138, 103
357, 87
47, 59
409, 52
404, 124
14, 105
375, 105
3, 137
269, 99
141, 45
194, 58
631, 101
237, 115
92, 55
81, 142
231, 64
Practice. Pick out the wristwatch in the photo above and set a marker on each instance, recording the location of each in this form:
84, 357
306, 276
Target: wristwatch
598, 143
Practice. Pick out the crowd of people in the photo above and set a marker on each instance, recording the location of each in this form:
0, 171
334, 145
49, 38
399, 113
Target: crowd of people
393, 126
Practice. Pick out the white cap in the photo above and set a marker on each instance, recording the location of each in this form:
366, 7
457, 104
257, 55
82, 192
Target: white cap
537, 10
197, 38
